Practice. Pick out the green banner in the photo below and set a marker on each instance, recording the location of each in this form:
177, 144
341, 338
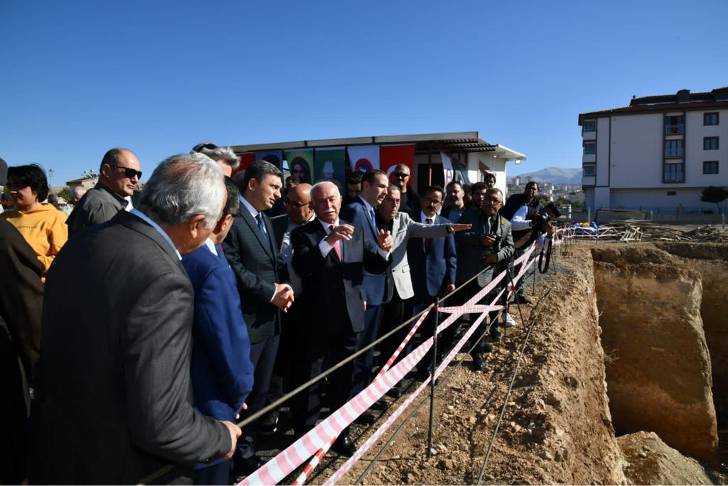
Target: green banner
330, 165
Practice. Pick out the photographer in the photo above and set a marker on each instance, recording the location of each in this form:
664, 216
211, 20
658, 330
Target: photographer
488, 244
529, 221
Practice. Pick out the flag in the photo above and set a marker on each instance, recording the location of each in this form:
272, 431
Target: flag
391, 155
364, 157
330, 165
300, 163
448, 170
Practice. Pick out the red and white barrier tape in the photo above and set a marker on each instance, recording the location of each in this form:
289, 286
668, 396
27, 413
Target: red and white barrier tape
325, 433
404, 342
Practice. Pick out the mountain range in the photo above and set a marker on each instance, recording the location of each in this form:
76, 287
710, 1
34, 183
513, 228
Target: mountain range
553, 175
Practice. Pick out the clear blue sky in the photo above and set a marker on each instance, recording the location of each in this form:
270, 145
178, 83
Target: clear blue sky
79, 77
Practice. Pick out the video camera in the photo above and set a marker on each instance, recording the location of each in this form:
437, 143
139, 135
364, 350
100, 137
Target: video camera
542, 217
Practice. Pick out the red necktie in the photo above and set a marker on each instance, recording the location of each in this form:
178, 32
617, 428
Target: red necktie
337, 245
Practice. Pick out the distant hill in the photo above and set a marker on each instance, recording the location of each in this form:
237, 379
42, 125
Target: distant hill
554, 175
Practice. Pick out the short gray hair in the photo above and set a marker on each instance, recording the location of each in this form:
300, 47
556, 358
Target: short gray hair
495, 190
320, 185
222, 154
183, 186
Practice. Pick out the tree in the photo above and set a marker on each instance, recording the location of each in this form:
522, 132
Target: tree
713, 194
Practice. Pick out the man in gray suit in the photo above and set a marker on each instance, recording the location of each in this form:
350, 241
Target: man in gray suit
485, 251
114, 394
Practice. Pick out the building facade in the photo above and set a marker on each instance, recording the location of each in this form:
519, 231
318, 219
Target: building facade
656, 154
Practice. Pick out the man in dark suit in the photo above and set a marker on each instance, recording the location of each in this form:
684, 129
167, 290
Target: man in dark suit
261, 277
362, 214
329, 254
114, 394
21, 302
487, 246
222, 375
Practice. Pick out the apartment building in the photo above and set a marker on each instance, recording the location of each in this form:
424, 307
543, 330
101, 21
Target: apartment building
658, 153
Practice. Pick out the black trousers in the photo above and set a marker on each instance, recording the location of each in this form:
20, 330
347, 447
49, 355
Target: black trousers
394, 313
316, 353
217, 474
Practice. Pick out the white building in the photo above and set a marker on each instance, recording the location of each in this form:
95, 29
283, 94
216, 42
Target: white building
471, 155
658, 153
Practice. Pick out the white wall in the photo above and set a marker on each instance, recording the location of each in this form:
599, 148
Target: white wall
602, 178
601, 198
637, 151
695, 155
496, 165
658, 200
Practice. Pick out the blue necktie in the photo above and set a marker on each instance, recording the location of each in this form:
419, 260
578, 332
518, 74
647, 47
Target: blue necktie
261, 226
372, 218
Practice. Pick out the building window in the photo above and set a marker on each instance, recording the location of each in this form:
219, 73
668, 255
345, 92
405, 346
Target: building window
710, 167
673, 172
711, 119
710, 143
675, 125
589, 126
590, 148
674, 148
589, 170
672, 193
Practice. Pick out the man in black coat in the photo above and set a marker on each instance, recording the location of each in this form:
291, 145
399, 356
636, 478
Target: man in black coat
21, 302
329, 255
114, 394
261, 277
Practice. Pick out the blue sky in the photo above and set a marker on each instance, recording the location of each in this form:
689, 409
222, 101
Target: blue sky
157, 77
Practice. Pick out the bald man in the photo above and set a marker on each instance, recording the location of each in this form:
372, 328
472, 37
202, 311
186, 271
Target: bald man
330, 256
119, 175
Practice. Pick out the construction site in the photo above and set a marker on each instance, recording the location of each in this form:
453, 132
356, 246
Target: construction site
615, 374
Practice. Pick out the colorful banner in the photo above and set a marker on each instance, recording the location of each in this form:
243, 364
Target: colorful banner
300, 163
330, 165
391, 155
447, 168
275, 157
364, 157
246, 158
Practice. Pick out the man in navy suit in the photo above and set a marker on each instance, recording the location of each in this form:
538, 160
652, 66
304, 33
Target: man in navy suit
221, 371
329, 255
362, 214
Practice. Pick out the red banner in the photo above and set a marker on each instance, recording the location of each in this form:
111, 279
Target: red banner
391, 155
246, 158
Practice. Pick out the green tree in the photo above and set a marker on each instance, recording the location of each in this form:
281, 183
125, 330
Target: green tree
715, 195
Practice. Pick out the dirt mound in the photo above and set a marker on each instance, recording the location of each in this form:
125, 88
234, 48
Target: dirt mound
658, 366
651, 461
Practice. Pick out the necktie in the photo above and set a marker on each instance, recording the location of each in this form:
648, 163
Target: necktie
337, 245
372, 218
428, 241
261, 226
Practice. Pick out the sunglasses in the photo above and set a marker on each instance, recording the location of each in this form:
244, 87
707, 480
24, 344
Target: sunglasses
130, 173
400, 174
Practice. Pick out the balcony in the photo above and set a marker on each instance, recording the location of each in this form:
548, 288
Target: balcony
674, 130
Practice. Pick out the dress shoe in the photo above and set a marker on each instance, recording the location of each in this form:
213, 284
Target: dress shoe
521, 299
495, 334
269, 424
395, 392
485, 346
478, 362
245, 466
367, 418
344, 446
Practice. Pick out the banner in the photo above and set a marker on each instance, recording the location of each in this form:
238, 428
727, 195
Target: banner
330, 165
246, 158
364, 157
391, 155
300, 163
447, 168
273, 156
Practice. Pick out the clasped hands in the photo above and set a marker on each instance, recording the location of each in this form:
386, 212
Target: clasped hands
283, 297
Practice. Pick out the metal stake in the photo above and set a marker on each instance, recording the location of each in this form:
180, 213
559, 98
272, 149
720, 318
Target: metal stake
432, 378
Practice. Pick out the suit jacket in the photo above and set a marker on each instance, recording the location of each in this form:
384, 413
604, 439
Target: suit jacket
432, 269
332, 288
21, 294
398, 272
410, 203
471, 251
374, 279
97, 206
114, 395
222, 374
257, 266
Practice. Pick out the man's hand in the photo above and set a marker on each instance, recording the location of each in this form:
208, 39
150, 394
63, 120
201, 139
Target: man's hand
460, 227
449, 288
384, 238
283, 298
341, 232
487, 241
490, 259
235, 433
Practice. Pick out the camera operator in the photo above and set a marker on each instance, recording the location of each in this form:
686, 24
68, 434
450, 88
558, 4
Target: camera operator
529, 221
488, 244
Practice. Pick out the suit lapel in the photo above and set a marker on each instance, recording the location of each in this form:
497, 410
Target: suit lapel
133, 222
266, 245
371, 224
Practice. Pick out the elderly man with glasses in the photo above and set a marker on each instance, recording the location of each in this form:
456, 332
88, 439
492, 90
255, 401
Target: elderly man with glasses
119, 176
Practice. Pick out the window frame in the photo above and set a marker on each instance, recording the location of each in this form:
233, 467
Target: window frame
584, 129
717, 167
706, 141
591, 143
708, 114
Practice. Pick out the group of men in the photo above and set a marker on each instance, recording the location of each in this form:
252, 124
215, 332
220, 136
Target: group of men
165, 323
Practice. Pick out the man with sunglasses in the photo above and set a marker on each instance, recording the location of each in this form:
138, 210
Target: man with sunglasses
410, 201
119, 175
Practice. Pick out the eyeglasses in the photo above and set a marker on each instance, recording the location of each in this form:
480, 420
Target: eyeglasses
130, 173
400, 174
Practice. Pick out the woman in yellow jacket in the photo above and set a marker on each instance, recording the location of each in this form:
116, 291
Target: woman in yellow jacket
42, 225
